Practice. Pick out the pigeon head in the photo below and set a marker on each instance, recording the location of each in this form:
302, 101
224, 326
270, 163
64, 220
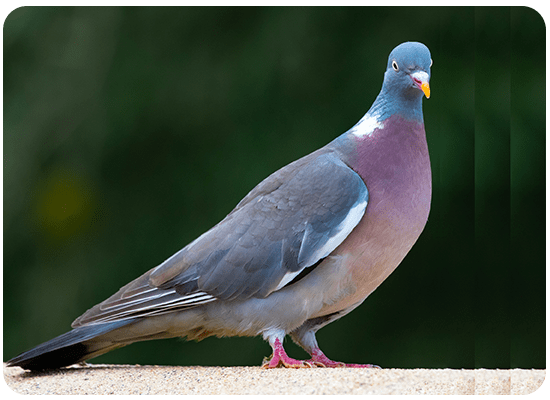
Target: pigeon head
406, 80
409, 69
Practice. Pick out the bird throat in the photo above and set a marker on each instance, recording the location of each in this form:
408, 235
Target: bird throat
391, 150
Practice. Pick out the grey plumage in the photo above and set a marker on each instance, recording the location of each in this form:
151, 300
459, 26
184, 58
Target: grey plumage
281, 227
303, 248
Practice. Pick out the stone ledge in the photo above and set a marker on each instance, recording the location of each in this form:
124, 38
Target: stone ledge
135, 379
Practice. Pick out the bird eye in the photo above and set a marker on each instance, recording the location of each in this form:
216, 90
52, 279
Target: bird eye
431, 62
394, 65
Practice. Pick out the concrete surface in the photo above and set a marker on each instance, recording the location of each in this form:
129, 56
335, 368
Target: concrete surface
135, 379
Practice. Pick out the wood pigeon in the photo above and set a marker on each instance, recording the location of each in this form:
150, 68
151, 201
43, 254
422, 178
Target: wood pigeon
302, 249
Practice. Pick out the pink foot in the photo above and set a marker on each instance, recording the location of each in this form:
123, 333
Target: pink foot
318, 358
279, 357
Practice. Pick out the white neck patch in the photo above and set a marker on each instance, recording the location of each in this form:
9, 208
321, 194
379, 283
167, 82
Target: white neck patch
366, 125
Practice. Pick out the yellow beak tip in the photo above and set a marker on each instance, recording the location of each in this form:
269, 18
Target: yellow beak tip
426, 89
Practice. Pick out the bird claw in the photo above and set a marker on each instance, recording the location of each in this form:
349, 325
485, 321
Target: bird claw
331, 364
339, 364
286, 362
279, 358
373, 366
319, 358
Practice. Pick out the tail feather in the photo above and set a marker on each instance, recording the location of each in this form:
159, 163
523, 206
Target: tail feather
67, 349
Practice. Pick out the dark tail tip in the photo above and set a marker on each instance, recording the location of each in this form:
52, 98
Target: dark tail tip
69, 348
53, 359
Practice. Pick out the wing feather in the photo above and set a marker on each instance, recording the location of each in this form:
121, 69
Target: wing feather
289, 222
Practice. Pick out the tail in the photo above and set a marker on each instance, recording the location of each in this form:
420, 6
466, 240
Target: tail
71, 347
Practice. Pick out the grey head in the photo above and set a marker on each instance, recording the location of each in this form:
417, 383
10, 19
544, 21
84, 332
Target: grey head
406, 80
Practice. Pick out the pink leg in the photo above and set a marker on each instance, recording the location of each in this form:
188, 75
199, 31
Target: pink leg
318, 358
280, 357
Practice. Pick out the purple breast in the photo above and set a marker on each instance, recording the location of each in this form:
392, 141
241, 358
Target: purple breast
394, 163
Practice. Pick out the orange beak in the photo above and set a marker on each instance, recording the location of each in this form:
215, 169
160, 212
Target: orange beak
420, 79
425, 86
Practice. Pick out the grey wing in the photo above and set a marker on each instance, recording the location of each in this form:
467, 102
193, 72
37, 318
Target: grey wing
289, 222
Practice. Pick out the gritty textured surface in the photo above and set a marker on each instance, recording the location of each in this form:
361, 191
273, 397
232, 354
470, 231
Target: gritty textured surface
129, 379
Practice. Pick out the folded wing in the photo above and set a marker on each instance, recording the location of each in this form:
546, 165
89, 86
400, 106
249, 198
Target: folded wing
289, 222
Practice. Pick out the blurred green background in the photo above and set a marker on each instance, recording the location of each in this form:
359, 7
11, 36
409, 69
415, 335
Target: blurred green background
128, 132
